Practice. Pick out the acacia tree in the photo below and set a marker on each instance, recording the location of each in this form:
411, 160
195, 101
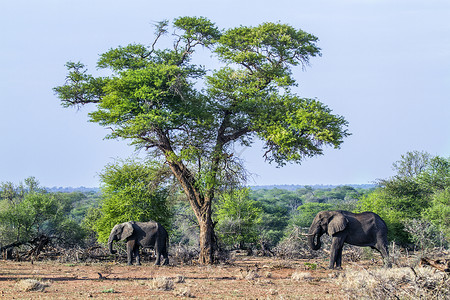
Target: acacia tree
152, 98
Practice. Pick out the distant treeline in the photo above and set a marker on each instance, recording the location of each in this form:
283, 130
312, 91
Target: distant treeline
80, 189
293, 187
288, 187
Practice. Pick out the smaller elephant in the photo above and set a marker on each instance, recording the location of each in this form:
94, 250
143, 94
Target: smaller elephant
366, 229
141, 234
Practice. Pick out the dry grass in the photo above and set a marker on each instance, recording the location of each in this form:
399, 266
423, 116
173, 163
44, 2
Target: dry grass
252, 274
162, 283
301, 276
247, 278
184, 292
395, 283
29, 285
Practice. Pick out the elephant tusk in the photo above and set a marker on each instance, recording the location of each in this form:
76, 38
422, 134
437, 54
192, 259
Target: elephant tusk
307, 234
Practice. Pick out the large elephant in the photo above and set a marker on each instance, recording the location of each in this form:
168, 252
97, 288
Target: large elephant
366, 229
141, 234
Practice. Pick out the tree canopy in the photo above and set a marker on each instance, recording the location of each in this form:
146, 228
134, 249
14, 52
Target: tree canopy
162, 101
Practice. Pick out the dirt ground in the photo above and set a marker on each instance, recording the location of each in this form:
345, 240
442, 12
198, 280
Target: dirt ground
244, 278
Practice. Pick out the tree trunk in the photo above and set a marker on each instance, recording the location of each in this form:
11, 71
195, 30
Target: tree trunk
201, 206
206, 239
200, 201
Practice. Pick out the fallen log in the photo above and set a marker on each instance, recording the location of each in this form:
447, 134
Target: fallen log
441, 265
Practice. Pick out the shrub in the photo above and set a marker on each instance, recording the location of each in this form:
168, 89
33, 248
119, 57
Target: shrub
184, 292
28, 285
424, 234
183, 254
132, 190
162, 283
28, 211
301, 276
439, 211
295, 245
395, 283
237, 218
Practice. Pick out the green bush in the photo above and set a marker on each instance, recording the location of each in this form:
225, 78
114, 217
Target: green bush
131, 191
420, 191
439, 211
237, 218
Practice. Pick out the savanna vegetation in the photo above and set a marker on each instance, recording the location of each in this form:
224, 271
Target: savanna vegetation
414, 204
259, 222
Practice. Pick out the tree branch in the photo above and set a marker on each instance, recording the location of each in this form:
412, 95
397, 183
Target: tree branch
181, 172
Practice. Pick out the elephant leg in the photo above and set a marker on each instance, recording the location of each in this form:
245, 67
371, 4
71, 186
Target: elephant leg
165, 255
130, 247
383, 249
136, 254
158, 254
166, 258
336, 252
158, 257
339, 258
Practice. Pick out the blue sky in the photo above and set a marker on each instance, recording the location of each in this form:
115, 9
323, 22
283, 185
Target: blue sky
385, 67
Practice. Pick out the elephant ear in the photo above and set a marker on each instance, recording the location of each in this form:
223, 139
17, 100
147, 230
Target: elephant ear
337, 223
127, 230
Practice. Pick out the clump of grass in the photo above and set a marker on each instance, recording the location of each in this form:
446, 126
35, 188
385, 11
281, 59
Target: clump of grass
299, 276
395, 283
310, 266
184, 254
71, 265
252, 275
249, 274
162, 283
284, 264
29, 285
184, 292
109, 291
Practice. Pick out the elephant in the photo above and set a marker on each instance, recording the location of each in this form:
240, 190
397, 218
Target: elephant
141, 234
365, 229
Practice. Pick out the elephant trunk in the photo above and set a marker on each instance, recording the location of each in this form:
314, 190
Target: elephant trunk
110, 246
312, 241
